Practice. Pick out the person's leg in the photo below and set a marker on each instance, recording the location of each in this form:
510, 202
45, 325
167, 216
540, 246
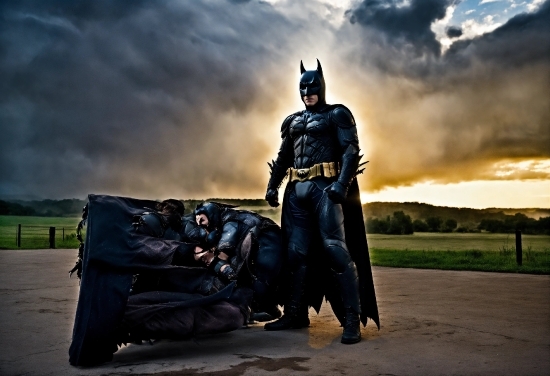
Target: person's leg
267, 267
298, 230
331, 225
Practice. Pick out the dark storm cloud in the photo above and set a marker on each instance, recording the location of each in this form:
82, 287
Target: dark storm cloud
523, 40
453, 117
185, 99
106, 96
403, 24
453, 31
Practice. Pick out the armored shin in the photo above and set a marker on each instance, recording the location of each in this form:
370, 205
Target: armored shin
295, 315
349, 288
296, 304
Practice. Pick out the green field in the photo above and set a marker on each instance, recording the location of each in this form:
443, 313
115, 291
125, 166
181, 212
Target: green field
436, 241
455, 251
35, 232
533, 262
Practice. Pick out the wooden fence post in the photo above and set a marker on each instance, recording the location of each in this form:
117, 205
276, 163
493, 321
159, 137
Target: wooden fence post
518, 248
19, 236
52, 237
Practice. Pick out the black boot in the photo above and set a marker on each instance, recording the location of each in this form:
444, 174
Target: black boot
349, 288
292, 319
295, 316
352, 329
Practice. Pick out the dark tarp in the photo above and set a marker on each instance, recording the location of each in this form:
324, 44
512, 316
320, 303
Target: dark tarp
113, 253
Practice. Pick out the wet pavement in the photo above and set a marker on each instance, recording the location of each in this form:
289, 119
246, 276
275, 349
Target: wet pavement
433, 323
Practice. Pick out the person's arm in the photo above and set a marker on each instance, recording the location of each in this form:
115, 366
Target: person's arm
285, 159
346, 131
218, 260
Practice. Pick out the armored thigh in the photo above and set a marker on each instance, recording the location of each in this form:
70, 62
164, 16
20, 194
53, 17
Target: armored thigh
331, 227
268, 260
299, 229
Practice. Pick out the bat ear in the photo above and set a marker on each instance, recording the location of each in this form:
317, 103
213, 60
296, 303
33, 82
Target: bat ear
319, 69
302, 69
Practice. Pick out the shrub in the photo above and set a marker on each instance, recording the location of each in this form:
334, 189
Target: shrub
434, 223
420, 226
449, 226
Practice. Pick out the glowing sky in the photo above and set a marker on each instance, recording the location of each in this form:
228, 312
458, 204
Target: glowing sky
185, 99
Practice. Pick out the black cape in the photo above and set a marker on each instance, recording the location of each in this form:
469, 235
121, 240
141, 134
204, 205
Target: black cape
113, 253
321, 282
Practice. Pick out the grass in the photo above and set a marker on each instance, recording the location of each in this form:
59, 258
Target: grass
455, 251
35, 232
452, 251
503, 260
430, 241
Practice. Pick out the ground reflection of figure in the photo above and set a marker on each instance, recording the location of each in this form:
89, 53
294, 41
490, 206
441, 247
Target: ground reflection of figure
229, 235
320, 149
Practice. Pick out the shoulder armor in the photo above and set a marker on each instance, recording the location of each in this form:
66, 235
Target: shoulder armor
149, 223
286, 124
342, 116
229, 235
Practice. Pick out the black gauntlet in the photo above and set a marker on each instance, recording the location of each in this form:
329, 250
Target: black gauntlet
350, 163
227, 273
278, 173
338, 190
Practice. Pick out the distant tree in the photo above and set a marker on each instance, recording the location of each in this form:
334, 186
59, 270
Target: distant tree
434, 223
518, 221
493, 225
420, 226
400, 224
10, 208
377, 226
543, 226
449, 226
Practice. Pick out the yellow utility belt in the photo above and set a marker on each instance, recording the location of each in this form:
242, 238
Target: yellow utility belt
326, 169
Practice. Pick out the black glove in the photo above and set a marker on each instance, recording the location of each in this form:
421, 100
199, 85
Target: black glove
272, 197
228, 273
337, 192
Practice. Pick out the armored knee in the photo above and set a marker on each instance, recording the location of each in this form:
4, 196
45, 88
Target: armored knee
338, 254
296, 256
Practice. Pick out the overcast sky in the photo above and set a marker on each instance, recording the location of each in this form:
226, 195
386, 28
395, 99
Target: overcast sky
158, 99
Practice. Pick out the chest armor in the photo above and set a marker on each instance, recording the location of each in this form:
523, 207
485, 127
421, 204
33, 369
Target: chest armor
314, 138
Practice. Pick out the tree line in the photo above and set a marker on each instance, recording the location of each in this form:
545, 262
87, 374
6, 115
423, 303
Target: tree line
73, 207
381, 217
10, 208
515, 222
400, 223
43, 208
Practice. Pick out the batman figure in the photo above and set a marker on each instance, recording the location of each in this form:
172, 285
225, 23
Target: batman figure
242, 246
322, 220
236, 245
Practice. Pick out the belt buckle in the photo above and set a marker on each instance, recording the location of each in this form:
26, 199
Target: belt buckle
302, 173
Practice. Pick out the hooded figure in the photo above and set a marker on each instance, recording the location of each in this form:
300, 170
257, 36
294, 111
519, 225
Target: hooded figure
322, 220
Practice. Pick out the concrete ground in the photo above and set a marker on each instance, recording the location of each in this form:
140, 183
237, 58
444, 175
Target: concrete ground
433, 323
